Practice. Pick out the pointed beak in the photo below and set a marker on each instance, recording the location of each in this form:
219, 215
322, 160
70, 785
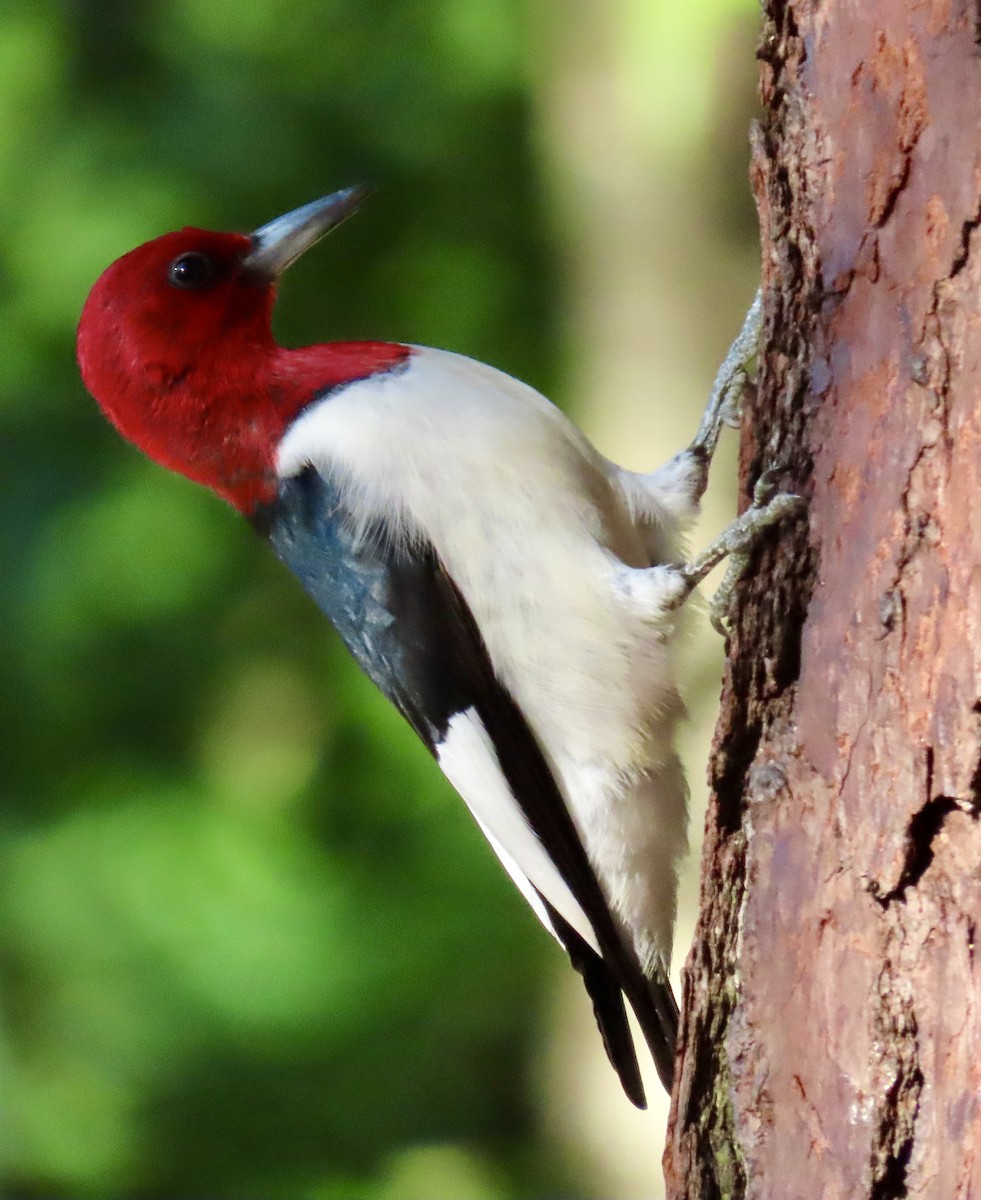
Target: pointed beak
280, 243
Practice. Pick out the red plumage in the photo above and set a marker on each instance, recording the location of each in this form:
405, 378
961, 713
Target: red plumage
193, 376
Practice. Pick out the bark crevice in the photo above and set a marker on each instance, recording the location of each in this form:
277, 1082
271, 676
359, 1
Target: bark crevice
921, 835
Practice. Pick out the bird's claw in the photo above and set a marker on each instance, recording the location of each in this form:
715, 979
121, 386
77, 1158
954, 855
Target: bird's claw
732, 381
736, 541
767, 509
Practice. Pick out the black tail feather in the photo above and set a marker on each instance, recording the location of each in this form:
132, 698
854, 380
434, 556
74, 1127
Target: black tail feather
657, 1012
652, 1001
611, 1017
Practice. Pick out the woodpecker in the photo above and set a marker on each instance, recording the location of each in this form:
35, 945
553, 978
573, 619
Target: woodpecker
511, 591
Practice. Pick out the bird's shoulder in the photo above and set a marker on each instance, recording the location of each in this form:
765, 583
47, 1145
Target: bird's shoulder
437, 406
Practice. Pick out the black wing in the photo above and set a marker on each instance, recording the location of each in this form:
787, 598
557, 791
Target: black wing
413, 634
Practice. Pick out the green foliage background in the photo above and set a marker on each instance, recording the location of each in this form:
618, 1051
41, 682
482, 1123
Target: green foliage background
249, 943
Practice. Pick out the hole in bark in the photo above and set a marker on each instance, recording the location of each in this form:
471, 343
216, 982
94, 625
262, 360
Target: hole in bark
891, 1185
920, 835
730, 783
898, 1127
964, 250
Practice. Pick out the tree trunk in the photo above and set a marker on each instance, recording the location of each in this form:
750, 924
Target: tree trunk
832, 998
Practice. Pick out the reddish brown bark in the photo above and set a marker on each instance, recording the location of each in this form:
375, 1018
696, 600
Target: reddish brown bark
833, 995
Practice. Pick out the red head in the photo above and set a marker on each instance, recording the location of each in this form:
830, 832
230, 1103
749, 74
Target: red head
176, 346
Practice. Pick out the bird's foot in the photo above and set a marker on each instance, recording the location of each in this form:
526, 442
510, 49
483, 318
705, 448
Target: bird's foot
731, 383
735, 542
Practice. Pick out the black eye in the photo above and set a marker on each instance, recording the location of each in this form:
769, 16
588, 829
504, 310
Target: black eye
191, 271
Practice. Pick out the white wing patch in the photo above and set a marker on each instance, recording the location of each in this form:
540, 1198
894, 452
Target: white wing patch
468, 760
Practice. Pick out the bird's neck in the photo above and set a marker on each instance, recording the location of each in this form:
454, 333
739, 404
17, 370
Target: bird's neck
223, 427
293, 373
257, 419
